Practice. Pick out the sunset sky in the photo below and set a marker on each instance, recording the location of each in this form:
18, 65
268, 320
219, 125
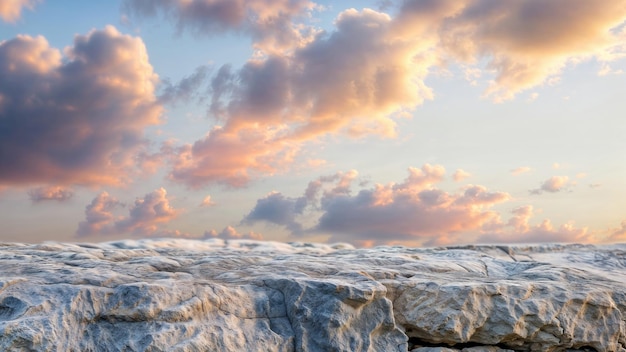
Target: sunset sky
412, 122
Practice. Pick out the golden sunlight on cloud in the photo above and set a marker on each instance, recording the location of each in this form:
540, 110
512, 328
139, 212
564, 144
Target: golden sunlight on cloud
11, 10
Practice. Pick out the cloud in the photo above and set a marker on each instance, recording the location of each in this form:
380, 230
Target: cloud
520, 170
231, 158
618, 234
11, 10
186, 89
414, 211
277, 209
524, 42
58, 193
271, 23
519, 230
360, 78
552, 185
230, 233
77, 119
407, 213
353, 82
350, 80
99, 216
460, 175
146, 216
207, 202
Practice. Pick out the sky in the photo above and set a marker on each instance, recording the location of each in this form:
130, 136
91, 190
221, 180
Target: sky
393, 122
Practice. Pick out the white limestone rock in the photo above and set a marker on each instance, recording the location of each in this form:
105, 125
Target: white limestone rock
214, 295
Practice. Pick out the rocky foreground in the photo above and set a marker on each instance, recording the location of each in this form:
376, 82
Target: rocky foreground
184, 295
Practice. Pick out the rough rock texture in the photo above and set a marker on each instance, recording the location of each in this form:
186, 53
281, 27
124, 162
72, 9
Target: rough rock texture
184, 295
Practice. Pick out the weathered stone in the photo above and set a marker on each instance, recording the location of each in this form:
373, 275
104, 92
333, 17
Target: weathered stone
183, 295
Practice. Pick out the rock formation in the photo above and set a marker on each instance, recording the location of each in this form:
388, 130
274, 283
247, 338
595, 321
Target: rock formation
214, 295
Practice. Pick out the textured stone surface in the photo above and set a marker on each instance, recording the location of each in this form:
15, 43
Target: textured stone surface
183, 295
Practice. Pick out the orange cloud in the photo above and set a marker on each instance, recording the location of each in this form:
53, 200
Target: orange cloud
231, 158
11, 10
78, 119
525, 42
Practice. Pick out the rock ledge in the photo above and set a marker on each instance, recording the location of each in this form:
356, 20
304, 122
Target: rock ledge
185, 295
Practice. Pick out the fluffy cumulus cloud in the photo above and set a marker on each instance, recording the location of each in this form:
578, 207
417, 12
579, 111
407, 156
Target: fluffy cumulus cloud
354, 81
11, 10
57, 193
146, 216
414, 211
552, 185
359, 78
519, 230
271, 23
78, 118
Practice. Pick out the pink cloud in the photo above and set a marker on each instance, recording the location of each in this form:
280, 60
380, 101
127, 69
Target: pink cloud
11, 10
77, 119
146, 216
99, 216
57, 193
519, 230
552, 185
231, 158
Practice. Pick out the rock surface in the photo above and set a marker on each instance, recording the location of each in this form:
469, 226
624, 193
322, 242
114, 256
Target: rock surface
185, 295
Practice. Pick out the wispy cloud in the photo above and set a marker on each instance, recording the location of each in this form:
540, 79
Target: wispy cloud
520, 170
272, 24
